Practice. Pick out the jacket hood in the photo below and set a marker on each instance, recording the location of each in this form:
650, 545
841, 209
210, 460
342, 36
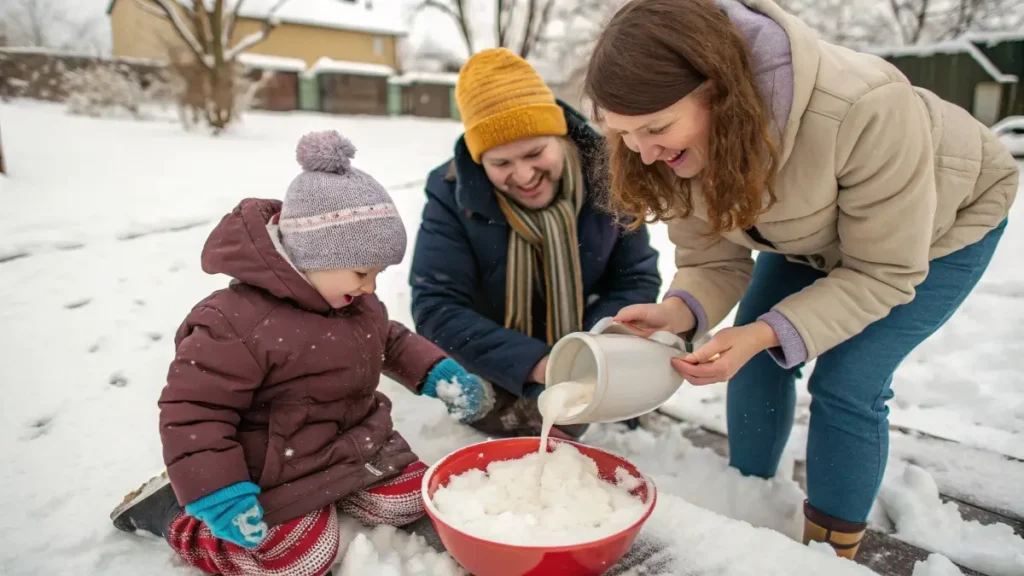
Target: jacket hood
241, 247
771, 60
805, 54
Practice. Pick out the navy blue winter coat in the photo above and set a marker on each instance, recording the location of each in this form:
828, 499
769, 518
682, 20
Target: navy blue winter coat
459, 267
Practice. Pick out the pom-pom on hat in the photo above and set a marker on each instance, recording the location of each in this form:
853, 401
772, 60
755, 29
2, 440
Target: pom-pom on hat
335, 215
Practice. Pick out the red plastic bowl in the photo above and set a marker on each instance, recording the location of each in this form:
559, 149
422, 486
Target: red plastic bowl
488, 558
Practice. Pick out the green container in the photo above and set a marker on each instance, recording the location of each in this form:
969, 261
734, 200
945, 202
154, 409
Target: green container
394, 99
453, 106
309, 93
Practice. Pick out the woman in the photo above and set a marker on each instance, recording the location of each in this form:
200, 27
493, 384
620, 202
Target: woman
512, 251
875, 207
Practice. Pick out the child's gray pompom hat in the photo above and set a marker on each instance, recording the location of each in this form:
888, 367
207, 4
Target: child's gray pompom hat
335, 215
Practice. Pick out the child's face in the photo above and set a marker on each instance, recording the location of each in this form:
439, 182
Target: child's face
340, 287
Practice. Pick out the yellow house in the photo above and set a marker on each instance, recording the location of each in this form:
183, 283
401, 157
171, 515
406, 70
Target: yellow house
343, 30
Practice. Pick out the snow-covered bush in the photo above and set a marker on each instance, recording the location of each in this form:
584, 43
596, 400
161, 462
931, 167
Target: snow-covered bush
100, 90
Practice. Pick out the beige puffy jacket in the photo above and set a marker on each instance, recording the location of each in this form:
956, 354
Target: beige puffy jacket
876, 179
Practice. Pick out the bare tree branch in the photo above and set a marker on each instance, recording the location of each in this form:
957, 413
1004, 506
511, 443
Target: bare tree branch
499, 22
46, 24
505, 18
31, 21
216, 20
531, 13
458, 14
437, 5
919, 21
256, 37
534, 33
170, 12
201, 25
150, 9
460, 6
229, 25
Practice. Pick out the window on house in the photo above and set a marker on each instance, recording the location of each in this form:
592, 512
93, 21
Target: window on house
378, 46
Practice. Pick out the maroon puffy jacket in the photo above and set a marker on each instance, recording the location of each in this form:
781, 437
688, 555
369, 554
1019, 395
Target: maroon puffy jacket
272, 385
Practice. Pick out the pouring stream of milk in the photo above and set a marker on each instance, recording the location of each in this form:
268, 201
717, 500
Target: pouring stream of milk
563, 400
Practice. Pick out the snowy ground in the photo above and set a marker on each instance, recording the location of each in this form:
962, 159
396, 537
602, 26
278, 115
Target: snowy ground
104, 221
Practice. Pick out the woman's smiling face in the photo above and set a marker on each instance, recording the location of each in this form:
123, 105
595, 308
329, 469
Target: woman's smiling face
677, 135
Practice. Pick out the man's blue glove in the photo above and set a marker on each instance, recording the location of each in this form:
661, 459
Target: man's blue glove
468, 397
233, 514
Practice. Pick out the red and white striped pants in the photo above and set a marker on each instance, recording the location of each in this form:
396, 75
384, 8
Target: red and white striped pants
304, 546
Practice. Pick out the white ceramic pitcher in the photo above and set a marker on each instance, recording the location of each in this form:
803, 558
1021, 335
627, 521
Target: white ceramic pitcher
633, 374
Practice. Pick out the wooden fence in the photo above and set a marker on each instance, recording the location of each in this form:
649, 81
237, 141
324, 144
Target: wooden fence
328, 86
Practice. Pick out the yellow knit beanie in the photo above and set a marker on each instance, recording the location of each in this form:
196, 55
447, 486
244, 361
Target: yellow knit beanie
502, 99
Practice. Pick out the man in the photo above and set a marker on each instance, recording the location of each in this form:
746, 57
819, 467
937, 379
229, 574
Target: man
513, 251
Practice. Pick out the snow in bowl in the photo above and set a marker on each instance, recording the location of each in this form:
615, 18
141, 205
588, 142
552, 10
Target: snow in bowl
503, 509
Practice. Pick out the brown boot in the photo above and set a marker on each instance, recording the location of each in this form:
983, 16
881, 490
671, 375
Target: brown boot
843, 536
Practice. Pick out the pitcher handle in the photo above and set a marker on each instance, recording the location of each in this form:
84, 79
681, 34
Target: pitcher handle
608, 326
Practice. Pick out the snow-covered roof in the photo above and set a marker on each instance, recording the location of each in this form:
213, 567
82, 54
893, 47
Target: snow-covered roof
950, 47
446, 78
384, 17
993, 38
325, 64
266, 62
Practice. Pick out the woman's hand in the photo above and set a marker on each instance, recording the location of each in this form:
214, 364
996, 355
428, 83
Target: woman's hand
671, 315
723, 356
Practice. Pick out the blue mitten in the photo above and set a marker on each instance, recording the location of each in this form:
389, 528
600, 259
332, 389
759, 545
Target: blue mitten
468, 397
233, 514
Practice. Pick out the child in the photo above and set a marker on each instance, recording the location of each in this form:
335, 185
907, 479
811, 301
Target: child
270, 419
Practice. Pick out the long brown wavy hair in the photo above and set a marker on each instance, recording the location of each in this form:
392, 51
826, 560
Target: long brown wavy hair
652, 54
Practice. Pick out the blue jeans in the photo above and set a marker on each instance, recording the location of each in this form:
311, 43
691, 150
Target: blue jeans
848, 438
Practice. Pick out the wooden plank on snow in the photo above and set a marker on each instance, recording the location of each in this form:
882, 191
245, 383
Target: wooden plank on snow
880, 552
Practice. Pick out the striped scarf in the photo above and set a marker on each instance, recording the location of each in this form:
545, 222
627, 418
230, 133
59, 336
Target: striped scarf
551, 231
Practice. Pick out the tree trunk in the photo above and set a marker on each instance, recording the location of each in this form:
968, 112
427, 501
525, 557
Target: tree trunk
222, 101
222, 87
207, 29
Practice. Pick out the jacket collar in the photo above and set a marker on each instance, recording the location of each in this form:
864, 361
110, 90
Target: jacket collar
474, 192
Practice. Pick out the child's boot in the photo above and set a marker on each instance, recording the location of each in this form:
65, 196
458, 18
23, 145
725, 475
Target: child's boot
150, 508
843, 536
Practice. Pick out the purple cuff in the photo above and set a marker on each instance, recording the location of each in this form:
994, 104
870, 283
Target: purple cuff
694, 306
791, 351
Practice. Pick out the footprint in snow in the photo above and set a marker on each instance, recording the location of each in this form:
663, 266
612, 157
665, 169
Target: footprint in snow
155, 336
11, 256
38, 427
72, 305
118, 380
